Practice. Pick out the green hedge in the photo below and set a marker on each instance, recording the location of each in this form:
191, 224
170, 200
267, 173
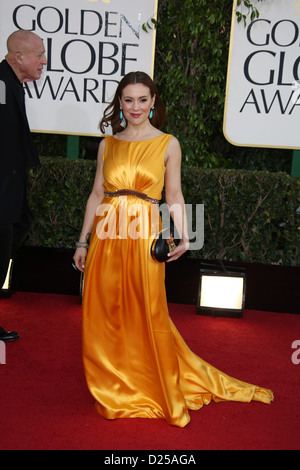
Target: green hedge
249, 216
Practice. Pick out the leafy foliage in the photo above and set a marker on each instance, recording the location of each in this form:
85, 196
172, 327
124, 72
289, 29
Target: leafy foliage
57, 194
190, 69
252, 11
249, 215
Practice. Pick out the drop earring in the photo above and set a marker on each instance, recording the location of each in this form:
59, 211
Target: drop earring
122, 118
151, 113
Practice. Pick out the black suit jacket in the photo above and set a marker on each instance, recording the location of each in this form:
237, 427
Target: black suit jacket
17, 151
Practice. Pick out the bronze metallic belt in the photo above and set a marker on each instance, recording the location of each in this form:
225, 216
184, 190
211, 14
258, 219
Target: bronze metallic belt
130, 192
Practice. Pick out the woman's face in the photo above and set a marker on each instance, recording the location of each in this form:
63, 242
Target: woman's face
136, 103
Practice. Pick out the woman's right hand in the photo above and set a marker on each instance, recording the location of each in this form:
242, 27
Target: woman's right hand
79, 258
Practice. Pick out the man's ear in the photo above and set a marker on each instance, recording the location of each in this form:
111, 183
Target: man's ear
18, 57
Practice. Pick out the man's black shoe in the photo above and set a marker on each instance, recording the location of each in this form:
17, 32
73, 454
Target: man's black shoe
8, 335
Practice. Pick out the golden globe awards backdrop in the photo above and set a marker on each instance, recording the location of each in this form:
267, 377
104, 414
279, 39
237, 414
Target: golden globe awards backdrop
90, 45
263, 85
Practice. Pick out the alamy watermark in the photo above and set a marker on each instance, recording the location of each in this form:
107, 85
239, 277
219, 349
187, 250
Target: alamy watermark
2, 92
296, 354
296, 93
135, 221
2, 353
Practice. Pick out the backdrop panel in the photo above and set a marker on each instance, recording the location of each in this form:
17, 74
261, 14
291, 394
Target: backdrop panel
263, 85
90, 45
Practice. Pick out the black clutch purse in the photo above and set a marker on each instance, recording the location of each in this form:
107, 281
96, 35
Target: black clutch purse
163, 244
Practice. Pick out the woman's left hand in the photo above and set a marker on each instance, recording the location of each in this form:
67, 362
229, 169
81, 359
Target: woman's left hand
179, 251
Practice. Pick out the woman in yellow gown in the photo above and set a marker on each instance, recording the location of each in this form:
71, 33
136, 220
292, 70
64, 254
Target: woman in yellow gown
136, 363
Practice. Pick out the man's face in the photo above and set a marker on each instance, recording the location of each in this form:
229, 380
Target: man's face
33, 60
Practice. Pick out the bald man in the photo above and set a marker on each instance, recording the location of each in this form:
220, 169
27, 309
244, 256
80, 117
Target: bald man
23, 62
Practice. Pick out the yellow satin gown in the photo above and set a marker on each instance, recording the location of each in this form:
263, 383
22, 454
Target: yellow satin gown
136, 363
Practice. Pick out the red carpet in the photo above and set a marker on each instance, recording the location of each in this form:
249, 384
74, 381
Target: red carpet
45, 403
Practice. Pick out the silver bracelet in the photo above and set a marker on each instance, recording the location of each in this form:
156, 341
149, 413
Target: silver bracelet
82, 245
